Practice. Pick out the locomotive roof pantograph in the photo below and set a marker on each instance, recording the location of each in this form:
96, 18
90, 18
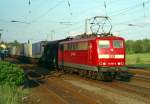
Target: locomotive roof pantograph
99, 26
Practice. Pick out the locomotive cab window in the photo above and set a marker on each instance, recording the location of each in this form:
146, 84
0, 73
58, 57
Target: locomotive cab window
118, 44
104, 44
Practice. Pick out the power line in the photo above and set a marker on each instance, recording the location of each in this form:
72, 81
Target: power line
42, 3
91, 8
113, 1
125, 10
129, 8
50, 9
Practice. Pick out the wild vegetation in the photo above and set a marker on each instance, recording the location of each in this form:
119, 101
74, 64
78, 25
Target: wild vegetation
138, 46
11, 74
11, 77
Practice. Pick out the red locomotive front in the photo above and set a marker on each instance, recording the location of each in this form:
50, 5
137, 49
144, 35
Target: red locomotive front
111, 51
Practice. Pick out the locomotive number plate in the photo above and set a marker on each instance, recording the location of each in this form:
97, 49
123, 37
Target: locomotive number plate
111, 56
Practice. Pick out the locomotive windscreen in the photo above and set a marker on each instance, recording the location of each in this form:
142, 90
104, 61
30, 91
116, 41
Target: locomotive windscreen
117, 43
104, 44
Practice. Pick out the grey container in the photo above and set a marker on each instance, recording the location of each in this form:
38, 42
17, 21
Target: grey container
37, 49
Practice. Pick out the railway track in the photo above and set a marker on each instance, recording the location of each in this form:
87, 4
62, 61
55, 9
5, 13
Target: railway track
67, 94
122, 85
120, 88
142, 78
64, 93
127, 86
145, 92
140, 72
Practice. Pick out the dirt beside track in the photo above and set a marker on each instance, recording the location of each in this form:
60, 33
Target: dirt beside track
51, 87
140, 72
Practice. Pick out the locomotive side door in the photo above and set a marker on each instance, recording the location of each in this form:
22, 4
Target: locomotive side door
90, 53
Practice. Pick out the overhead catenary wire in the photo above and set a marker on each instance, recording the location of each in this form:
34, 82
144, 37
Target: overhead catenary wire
41, 4
49, 10
123, 13
120, 14
129, 8
83, 13
68, 3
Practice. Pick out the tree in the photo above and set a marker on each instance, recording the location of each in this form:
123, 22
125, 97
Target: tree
129, 46
138, 46
14, 43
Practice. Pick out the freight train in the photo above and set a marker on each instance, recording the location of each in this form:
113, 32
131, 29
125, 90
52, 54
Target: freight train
101, 58
98, 55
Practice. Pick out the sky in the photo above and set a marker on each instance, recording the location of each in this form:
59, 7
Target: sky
39, 20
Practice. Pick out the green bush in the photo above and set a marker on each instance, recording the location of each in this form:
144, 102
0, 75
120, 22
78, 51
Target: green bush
11, 74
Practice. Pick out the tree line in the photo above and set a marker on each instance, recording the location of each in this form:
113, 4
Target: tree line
138, 46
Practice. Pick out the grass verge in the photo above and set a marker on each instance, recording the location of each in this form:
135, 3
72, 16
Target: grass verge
140, 60
11, 94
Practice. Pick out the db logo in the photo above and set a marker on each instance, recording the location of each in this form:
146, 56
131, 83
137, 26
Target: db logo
111, 49
73, 54
111, 56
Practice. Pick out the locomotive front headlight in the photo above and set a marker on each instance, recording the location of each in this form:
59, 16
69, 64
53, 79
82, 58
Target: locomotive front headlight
119, 63
104, 63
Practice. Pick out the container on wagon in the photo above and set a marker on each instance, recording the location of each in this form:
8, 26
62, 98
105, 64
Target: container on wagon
37, 49
27, 49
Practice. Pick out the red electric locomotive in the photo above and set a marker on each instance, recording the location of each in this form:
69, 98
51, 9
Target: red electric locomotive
97, 57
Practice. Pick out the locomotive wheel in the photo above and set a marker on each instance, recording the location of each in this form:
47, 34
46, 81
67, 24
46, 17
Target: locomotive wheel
88, 74
107, 76
99, 76
94, 75
124, 76
81, 73
114, 75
